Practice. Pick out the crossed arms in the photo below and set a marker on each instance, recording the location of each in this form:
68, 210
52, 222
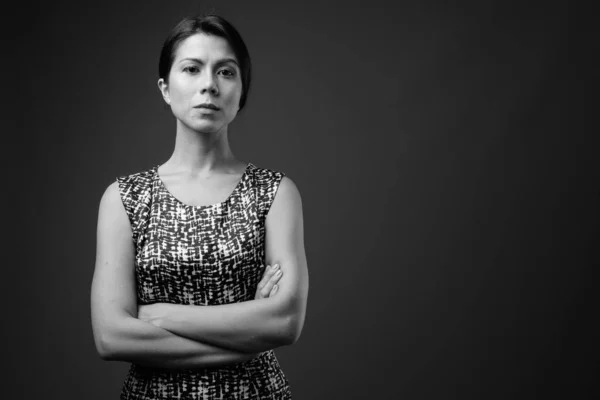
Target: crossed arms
182, 336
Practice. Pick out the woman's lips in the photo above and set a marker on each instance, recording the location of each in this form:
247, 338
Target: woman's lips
208, 106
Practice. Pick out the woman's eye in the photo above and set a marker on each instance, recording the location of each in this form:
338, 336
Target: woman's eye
191, 69
227, 72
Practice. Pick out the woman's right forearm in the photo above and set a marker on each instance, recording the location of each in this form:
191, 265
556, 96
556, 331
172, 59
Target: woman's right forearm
141, 342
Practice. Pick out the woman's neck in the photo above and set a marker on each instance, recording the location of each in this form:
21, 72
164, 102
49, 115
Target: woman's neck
201, 153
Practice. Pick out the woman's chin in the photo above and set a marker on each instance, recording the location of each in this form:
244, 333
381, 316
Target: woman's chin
205, 126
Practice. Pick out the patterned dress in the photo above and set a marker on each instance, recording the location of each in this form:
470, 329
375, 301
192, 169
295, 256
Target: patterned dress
201, 255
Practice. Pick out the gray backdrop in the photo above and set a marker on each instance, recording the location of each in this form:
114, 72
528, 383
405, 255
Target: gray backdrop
448, 184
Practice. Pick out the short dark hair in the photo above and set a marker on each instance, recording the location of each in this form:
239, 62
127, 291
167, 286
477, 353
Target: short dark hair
210, 24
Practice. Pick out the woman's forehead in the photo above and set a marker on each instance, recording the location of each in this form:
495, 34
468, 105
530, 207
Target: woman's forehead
202, 46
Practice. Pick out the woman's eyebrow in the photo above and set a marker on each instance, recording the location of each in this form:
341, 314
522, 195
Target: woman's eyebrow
221, 61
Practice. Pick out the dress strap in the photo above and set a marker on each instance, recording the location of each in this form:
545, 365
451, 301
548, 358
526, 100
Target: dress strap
136, 194
267, 183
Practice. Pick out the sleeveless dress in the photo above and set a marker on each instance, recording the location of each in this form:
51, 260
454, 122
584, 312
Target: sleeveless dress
201, 255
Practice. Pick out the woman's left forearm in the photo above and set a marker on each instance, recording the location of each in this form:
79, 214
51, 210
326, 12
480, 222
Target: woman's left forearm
250, 326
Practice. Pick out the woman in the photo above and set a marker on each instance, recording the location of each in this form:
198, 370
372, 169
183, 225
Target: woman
183, 287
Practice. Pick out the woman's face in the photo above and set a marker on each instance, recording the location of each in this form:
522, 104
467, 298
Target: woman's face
204, 70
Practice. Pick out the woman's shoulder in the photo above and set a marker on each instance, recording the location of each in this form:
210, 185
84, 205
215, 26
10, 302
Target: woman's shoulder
266, 174
273, 183
139, 176
136, 184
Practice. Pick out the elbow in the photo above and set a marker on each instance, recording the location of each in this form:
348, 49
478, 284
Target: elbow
293, 313
109, 336
105, 354
104, 348
292, 329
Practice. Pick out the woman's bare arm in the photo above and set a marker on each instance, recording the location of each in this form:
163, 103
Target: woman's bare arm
261, 324
118, 334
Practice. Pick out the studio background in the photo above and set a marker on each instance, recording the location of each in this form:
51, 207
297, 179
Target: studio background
449, 188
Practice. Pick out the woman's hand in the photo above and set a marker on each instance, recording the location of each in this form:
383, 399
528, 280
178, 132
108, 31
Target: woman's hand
267, 287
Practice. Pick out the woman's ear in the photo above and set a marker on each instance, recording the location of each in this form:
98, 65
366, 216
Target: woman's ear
164, 90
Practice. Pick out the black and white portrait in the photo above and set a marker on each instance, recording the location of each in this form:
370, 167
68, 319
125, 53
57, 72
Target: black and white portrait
298, 200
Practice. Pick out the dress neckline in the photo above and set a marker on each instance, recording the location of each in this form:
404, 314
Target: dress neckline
236, 189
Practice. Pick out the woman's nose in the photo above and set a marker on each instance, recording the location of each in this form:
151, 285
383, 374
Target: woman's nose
209, 84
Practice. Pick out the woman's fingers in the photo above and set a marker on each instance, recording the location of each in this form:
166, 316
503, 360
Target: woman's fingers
275, 275
267, 285
266, 276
